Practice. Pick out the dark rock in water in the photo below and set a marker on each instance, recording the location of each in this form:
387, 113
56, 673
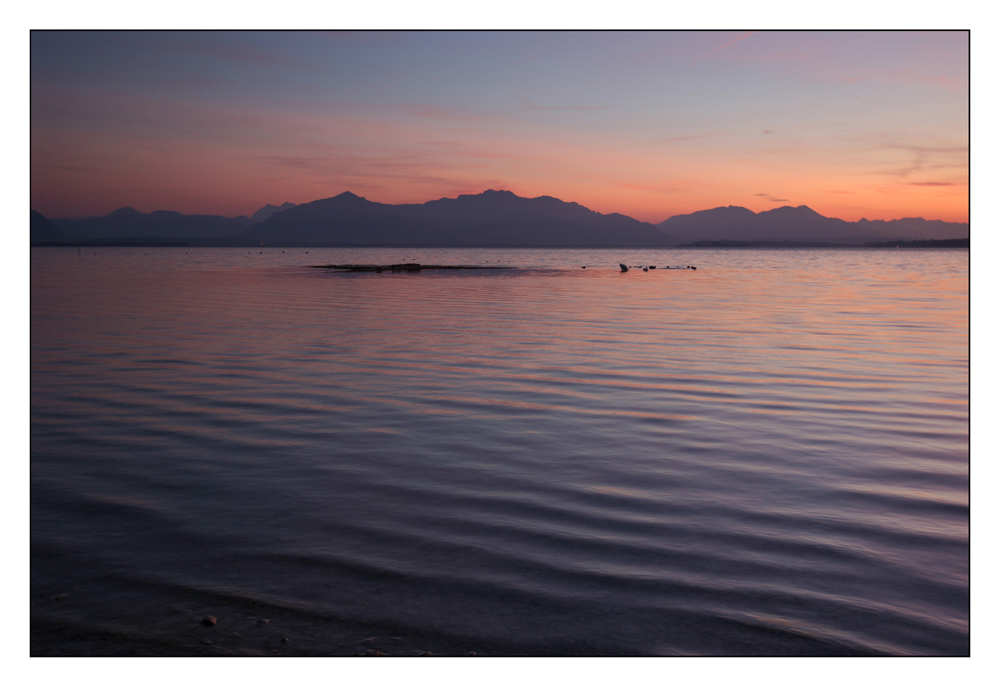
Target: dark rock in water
471, 653
59, 597
263, 621
209, 620
623, 266
371, 652
652, 267
285, 640
425, 653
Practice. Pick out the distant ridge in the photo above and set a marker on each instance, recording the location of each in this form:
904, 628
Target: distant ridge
932, 243
491, 218
800, 224
269, 210
42, 230
129, 223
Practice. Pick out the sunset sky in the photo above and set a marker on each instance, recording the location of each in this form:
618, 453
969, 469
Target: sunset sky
862, 124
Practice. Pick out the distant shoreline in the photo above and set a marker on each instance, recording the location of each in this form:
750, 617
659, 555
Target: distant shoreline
152, 243
928, 243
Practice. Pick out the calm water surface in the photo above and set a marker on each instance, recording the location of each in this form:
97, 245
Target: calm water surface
768, 455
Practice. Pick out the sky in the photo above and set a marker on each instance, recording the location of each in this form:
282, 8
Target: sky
855, 125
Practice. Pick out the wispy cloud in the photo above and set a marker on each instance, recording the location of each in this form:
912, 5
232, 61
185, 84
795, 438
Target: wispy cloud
771, 198
930, 183
720, 48
921, 157
369, 172
950, 83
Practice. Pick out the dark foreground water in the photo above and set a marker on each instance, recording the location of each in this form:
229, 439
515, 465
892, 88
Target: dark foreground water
768, 455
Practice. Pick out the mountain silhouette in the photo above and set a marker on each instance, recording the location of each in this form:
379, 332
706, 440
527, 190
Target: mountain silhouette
42, 230
269, 210
802, 224
491, 218
918, 228
128, 222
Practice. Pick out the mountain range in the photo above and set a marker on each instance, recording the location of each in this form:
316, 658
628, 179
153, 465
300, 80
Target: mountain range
42, 230
491, 218
800, 224
269, 210
128, 223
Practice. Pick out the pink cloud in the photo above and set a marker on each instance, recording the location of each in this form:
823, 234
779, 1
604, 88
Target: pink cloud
720, 48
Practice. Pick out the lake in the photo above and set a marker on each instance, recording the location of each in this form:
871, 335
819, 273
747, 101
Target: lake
768, 455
